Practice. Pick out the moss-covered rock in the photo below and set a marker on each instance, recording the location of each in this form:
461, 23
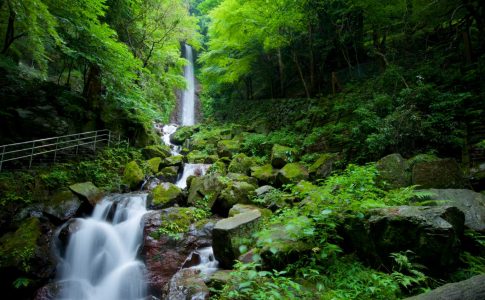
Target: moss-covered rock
165, 195
281, 155
439, 174
243, 178
243, 208
219, 279
292, 173
323, 166
205, 189
186, 284
199, 157
176, 160
235, 192
219, 167
393, 172
181, 135
228, 148
133, 175
152, 151
169, 174
154, 164
264, 174
242, 164
87, 191
62, 205
230, 234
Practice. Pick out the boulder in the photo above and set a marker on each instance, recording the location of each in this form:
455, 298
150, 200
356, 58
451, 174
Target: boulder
63, 205
470, 289
281, 155
242, 177
243, 208
219, 279
432, 233
393, 172
228, 148
165, 195
198, 157
439, 174
264, 174
272, 198
230, 234
182, 134
208, 187
152, 151
87, 191
469, 202
235, 192
187, 284
154, 164
292, 173
169, 174
50, 291
241, 164
133, 175
323, 166
219, 167
176, 160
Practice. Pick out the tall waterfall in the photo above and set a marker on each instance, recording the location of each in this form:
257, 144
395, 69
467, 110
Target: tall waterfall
100, 261
188, 100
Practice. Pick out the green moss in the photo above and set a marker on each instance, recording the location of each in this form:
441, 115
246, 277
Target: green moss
176, 160
281, 155
321, 162
264, 174
242, 164
292, 173
161, 151
133, 175
227, 148
154, 164
182, 134
17, 249
199, 157
177, 220
165, 195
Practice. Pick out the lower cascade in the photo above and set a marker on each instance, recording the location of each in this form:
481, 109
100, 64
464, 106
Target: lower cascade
100, 261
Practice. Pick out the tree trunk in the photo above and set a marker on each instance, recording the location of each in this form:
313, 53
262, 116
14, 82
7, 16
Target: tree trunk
9, 35
302, 77
92, 87
282, 75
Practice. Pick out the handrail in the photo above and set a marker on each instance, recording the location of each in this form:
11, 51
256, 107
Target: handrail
31, 149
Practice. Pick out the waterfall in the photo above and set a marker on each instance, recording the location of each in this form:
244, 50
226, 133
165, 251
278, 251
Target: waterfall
188, 100
100, 261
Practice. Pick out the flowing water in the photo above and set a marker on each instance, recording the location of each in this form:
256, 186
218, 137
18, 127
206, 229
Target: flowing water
100, 261
188, 100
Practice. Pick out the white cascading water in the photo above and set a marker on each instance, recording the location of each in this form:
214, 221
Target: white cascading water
100, 261
208, 264
188, 100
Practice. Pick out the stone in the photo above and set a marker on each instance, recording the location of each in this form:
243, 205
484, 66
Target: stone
165, 195
235, 192
87, 191
471, 203
264, 174
50, 291
182, 134
241, 164
154, 164
470, 289
292, 173
63, 205
133, 175
230, 234
393, 172
176, 160
168, 174
243, 178
264, 190
228, 148
272, 198
281, 155
187, 284
198, 157
243, 208
219, 167
432, 233
219, 279
208, 187
440, 174
323, 166
152, 151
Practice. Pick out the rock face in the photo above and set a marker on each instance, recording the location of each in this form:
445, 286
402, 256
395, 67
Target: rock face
470, 289
431, 233
393, 172
439, 174
324, 166
469, 202
187, 284
164, 255
165, 195
281, 155
292, 173
133, 175
87, 191
231, 233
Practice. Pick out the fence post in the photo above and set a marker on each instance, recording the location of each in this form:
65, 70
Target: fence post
77, 141
1, 159
32, 154
95, 140
109, 138
55, 151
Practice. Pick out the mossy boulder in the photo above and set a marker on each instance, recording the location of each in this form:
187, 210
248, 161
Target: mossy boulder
228, 148
323, 166
205, 188
186, 284
87, 191
133, 175
176, 160
199, 157
470, 289
264, 174
393, 172
152, 151
230, 235
272, 198
439, 174
292, 173
62, 205
243, 178
243, 208
154, 164
169, 174
219, 167
235, 192
242, 164
182, 134
219, 279
281, 155
165, 195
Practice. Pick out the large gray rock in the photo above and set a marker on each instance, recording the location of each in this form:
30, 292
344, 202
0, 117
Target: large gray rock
63, 205
431, 233
469, 202
393, 171
187, 284
439, 174
87, 191
470, 289
230, 234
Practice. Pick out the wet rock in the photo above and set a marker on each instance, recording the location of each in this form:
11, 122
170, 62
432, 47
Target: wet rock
169, 174
264, 174
181, 135
161, 151
50, 291
231, 233
66, 230
62, 206
154, 164
176, 160
235, 192
87, 191
292, 173
470, 289
323, 166
133, 175
439, 174
193, 260
431, 233
219, 167
187, 284
208, 186
281, 155
165, 195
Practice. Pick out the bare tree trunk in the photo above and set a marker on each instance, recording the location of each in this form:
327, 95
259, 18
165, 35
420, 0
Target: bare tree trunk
302, 77
282, 75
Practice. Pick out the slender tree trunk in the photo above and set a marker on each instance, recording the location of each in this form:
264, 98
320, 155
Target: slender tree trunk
302, 77
312, 59
9, 35
92, 87
71, 63
282, 74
